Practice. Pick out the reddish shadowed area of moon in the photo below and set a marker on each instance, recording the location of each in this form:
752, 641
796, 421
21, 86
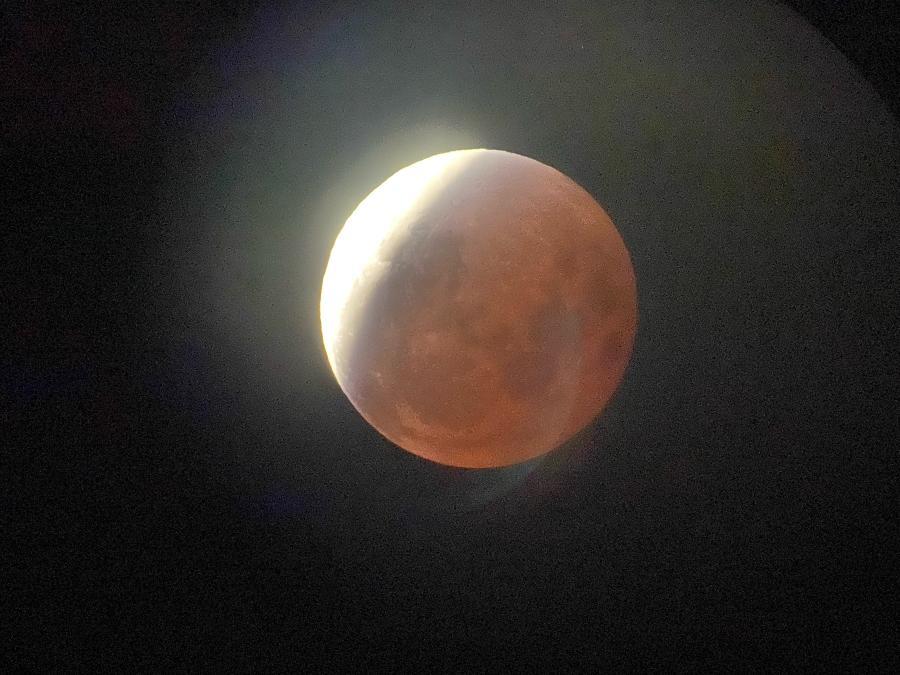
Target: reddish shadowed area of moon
479, 308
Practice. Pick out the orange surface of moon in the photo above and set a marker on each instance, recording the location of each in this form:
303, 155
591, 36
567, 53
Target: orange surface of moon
479, 308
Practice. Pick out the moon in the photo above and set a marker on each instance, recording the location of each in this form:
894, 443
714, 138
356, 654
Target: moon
479, 308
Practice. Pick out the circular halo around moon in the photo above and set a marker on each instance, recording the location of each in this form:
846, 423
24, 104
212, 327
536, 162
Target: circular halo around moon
479, 308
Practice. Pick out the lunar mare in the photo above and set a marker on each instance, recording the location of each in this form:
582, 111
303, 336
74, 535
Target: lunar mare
479, 308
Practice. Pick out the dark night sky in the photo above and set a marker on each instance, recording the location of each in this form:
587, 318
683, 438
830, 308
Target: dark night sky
189, 487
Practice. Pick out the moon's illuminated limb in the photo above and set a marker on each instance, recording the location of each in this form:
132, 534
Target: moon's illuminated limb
479, 308
387, 209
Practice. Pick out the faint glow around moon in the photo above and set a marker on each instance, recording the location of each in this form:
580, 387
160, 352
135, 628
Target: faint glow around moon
390, 206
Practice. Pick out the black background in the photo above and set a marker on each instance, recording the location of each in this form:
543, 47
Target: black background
190, 488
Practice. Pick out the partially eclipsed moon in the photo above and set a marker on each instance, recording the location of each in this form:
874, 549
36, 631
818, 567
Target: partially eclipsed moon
479, 308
